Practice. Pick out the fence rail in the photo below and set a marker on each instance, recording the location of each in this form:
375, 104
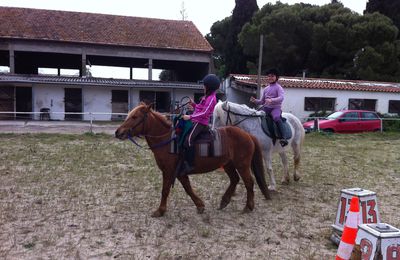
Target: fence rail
90, 117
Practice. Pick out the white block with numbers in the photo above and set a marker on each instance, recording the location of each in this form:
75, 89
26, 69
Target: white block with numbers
377, 240
368, 207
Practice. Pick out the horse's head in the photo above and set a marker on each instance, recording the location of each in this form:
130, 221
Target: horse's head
134, 123
219, 115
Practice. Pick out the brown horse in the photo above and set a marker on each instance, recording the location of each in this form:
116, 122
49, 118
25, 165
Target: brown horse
243, 153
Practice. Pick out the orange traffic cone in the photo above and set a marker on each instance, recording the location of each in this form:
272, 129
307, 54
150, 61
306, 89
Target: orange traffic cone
349, 232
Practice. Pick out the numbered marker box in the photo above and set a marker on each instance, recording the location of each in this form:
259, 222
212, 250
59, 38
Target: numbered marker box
368, 207
377, 240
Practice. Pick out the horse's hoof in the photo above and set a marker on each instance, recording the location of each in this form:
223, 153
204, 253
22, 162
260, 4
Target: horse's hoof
296, 178
158, 213
200, 210
271, 188
247, 209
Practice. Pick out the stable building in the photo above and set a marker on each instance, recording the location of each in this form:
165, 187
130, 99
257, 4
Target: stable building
70, 43
305, 96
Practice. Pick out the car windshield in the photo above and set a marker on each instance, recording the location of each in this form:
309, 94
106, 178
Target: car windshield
334, 115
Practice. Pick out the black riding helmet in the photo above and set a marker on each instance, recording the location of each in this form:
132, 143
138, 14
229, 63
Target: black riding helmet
211, 81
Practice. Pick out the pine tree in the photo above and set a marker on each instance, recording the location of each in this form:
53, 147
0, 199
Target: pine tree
390, 8
243, 12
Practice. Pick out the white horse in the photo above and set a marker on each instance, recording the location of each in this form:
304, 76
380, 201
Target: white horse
229, 113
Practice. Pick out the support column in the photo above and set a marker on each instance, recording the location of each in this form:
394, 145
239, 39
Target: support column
83, 69
12, 60
150, 77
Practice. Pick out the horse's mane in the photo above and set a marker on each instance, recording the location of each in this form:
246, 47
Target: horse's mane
241, 109
162, 118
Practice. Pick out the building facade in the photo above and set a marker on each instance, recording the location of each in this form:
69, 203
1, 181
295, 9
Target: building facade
32, 40
306, 96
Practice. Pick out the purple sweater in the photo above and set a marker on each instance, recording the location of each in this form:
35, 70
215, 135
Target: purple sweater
204, 109
275, 92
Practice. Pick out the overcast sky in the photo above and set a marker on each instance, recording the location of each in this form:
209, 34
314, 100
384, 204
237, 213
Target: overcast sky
203, 13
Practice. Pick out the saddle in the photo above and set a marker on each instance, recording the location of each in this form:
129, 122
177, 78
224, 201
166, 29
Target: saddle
208, 144
271, 129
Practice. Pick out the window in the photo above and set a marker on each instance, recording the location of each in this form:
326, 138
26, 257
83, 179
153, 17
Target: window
351, 116
363, 104
369, 116
161, 100
319, 104
394, 106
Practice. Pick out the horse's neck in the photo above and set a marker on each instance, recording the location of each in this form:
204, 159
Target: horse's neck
158, 133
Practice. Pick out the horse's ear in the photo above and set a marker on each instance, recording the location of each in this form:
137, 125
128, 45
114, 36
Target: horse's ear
150, 106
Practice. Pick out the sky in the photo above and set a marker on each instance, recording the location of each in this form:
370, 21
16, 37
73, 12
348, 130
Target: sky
203, 13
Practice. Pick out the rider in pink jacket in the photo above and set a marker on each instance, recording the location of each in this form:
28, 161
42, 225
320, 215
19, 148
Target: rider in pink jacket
200, 119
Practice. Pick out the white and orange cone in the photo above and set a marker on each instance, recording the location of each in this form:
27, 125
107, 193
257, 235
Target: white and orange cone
349, 232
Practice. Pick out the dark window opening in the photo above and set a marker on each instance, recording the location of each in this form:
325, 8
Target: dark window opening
394, 106
23, 102
119, 104
6, 102
319, 104
161, 100
362, 104
73, 104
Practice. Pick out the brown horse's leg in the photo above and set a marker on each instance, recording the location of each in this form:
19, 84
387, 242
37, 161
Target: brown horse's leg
188, 188
164, 196
234, 179
249, 184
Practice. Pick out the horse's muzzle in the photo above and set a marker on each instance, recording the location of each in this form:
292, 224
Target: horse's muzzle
119, 134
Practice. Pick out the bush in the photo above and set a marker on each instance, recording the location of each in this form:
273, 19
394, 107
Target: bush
390, 122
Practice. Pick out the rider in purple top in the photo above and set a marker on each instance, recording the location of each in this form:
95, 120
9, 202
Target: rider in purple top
200, 119
272, 99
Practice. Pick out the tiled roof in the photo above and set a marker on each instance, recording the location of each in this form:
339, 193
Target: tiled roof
317, 83
90, 81
62, 26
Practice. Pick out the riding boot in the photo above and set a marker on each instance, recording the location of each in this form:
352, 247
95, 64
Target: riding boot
283, 141
188, 163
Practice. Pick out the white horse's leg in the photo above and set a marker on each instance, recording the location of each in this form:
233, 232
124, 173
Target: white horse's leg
268, 165
296, 157
284, 160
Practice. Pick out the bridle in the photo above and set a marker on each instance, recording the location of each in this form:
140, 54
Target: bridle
142, 133
226, 108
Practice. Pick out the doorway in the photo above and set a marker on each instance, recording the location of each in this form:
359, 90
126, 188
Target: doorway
73, 103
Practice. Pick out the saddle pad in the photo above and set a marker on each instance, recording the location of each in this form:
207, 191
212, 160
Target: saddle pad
269, 127
210, 144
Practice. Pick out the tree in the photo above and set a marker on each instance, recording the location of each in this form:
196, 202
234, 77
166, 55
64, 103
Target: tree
224, 38
390, 8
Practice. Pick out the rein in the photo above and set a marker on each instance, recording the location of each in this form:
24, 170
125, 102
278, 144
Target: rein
228, 117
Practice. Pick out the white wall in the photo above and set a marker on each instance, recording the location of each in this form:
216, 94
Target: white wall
97, 100
294, 99
51, 97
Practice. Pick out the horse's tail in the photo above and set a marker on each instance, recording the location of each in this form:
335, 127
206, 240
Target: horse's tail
257, 166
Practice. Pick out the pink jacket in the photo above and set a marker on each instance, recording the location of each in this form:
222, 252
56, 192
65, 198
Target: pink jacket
204, 109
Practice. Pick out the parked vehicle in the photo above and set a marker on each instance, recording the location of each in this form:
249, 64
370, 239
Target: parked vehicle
346, 121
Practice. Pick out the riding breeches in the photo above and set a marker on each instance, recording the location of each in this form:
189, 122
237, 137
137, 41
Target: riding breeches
194, 132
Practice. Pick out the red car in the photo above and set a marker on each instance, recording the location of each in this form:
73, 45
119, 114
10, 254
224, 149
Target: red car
347, 121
